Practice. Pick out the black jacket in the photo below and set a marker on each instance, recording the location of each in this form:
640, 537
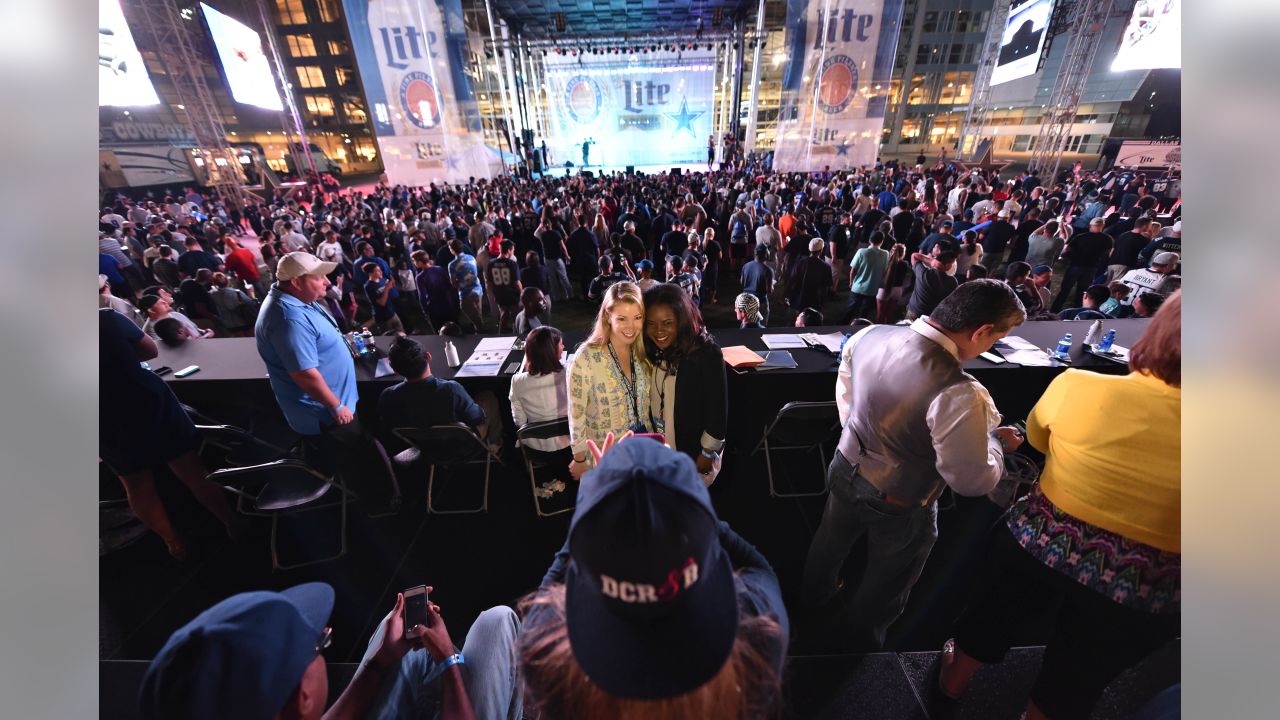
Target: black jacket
700, 399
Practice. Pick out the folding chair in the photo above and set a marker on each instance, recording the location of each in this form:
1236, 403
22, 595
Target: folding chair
284, 487
448, 446
802, 427
534, 459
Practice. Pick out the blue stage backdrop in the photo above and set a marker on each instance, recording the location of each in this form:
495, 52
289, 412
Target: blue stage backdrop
648, 109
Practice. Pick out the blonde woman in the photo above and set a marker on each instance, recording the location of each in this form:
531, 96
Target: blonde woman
609, 376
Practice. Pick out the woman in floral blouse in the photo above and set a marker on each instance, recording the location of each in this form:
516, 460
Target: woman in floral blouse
608, 377
1096, 547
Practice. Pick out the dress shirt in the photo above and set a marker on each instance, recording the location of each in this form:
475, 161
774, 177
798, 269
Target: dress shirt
961, 420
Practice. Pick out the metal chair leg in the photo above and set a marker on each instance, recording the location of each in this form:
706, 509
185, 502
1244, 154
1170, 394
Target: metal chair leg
431, 508
277, 565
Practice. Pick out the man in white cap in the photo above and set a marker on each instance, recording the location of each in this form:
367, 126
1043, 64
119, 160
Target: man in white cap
1158, 278
311, 369
811, 278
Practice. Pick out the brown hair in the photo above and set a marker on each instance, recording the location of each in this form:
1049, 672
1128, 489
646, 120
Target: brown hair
1159, 351
748, 686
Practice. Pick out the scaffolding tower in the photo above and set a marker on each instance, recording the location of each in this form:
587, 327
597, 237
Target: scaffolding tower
1084, 21
171, 38
979, 113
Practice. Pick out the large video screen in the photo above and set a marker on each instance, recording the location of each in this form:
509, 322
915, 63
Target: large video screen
245, 64
1025, 33
616, 110
1153, 37
122, 77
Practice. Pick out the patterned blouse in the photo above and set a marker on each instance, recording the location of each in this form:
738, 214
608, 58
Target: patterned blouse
599, 401
1125, 571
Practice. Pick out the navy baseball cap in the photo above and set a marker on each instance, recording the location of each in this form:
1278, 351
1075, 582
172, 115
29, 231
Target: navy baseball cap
644, 265
242, 658
1041, 269
650, 602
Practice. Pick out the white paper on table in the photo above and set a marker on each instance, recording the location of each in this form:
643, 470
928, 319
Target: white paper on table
1028, 358
831, 341
496, 344
1119, 354
1018, 343
783, 341
474, 369
488, 356
383, 369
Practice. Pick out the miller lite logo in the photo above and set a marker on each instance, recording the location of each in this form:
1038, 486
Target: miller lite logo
420, 100
678, 580
837, 84
583, 99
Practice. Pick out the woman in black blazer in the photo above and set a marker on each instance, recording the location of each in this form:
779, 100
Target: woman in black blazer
687, 382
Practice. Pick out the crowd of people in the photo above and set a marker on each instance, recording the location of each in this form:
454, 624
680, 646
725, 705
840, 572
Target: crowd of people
654, 607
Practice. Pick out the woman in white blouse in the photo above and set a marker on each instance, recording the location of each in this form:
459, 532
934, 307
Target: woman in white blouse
608, 378
539, 392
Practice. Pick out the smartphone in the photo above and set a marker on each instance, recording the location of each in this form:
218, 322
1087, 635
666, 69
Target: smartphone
662, 439
415, 608
188, 370
993, 356
162, 371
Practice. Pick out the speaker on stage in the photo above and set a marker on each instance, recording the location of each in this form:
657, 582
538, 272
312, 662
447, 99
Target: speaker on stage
631, 169
675, 171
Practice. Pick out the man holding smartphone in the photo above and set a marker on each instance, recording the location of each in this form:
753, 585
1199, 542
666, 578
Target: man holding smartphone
312, 372
261, 655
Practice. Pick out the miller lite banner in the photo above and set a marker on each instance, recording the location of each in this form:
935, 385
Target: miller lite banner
421, 102
616, 110
836, 85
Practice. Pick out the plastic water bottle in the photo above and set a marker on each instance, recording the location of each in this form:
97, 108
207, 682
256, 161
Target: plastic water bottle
1094, 336
358, 343
1064, 345
1107, 340
369, 346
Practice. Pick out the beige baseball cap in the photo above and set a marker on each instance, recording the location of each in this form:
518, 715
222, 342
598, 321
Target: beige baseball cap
297, 264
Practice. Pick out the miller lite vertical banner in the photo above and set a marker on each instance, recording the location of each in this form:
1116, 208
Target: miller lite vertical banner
649, 109
840, 63
420, 101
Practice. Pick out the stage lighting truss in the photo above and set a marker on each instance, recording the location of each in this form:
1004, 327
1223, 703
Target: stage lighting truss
709, 39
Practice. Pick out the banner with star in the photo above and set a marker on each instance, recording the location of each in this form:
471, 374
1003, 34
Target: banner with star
836, 84
411, 57
647, 109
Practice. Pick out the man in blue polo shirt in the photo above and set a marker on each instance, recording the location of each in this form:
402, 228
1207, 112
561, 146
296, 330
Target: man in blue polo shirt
311, 369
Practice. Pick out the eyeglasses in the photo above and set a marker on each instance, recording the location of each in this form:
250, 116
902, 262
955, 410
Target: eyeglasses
326, 639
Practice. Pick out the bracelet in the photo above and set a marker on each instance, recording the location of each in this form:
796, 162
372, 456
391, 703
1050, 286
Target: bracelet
709, 455
454, 659
583, 461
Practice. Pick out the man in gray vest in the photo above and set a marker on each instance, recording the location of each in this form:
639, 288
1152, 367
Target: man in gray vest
914, 422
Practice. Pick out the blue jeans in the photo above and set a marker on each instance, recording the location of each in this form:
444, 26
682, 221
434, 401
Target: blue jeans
898, 544
489, 674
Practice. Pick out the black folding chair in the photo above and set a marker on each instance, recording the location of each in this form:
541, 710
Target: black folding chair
285, 487
800, 427
534, 459
447, 446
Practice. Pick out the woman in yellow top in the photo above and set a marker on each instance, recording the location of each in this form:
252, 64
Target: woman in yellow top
609, 376
1097, 545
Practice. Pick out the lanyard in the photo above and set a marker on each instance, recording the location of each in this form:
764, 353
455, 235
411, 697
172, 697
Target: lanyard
660, 420
631, 384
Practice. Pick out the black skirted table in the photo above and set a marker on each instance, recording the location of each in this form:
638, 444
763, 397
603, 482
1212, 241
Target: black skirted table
233, 376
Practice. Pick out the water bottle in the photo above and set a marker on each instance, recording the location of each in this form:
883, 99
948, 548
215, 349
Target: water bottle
1094, 336
1110, 337
370, 347
451, 354
358, 343
1064, 345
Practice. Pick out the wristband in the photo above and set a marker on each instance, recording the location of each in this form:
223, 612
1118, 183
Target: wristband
335, 410
454, 659
582, 461
709, 455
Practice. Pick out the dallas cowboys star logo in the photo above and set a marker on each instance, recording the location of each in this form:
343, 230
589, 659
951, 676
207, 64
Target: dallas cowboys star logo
842, 148
451, 161
684, 119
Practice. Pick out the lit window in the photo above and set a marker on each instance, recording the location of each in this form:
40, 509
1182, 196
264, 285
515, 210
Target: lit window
328, 10
310, 76
338, 47
319, 105
300, 45
291, 12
